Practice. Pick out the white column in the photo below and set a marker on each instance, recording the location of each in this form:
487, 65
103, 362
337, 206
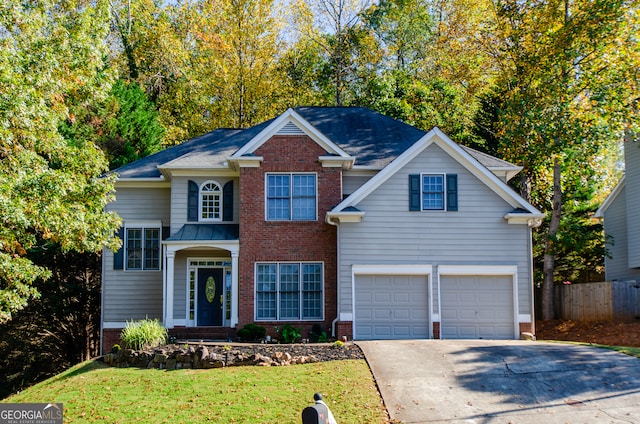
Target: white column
234, 289
168, 315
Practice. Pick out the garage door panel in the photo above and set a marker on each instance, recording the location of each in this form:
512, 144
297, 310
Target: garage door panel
477, 307
391, 307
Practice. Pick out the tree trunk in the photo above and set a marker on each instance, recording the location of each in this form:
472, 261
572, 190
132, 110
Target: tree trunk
548, 310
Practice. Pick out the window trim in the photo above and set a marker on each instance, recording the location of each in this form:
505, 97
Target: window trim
201, 202
143, 227
301, 291
443, 192
291, 175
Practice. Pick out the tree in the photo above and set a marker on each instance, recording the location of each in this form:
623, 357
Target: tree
125, 125
565, 101
50, 52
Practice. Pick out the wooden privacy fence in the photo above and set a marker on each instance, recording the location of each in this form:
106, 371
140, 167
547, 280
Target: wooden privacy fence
607, 301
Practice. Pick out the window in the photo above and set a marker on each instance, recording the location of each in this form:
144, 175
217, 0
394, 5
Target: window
289, 291
143, 248
210, 201
291, 197
432, 192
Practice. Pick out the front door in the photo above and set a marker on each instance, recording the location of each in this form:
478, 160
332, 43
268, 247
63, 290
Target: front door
210, 296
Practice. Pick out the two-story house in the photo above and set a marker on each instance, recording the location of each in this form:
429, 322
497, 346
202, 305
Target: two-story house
621, 214
340, 217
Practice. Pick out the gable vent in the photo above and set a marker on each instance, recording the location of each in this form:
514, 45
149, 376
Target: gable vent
290, 129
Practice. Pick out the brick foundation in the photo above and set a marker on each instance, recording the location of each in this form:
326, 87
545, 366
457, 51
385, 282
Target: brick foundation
109, 338
344, 328
436, 330
527, 327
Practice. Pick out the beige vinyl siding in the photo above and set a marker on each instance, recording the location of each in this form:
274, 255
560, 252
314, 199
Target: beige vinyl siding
632, 183
477, 234
129, 295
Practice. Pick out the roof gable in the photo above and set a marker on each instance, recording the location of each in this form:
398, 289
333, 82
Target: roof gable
610, 198
289, 123
459, 154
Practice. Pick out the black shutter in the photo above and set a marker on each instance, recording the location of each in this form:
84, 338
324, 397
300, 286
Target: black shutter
193, 201
166, 232
227, 202
118, 257
452, 192
414, 192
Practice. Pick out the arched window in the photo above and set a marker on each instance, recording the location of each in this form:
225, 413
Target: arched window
210, 201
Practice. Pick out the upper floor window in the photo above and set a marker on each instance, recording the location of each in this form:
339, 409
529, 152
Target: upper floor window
291, 197
433, 192
210, 202
142, 248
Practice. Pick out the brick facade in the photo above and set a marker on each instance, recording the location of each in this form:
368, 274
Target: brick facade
305, 241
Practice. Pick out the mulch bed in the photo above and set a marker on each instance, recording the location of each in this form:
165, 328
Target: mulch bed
597, 332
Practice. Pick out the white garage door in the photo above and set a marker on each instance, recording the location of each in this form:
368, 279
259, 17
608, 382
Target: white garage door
391, 307
476, 307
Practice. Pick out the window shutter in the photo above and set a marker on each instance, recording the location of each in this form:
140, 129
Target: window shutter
227, 202
193, 201
452, 192
414, 192
166, 232
118, 257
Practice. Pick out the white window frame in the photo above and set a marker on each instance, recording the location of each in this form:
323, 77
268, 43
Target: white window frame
444, 191
143, 227
278, 316
291, 175
201, 202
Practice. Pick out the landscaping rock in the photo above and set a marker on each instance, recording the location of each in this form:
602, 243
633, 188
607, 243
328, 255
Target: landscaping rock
207, 356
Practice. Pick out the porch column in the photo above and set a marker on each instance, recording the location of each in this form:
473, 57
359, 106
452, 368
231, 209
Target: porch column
168, 300
234, 289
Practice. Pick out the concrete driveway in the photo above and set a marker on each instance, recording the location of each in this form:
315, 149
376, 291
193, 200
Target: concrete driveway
480, 381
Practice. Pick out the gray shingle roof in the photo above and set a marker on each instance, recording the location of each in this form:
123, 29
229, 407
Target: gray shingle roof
372, 138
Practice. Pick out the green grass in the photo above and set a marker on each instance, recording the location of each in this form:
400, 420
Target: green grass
92, 392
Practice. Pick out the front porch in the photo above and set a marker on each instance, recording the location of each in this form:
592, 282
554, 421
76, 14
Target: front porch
200, 282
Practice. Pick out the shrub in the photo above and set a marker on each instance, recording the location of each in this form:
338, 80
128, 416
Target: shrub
252, 332
317, 335
290, 334
338, 344
144, 333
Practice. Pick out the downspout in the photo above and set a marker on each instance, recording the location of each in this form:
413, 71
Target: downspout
337, 318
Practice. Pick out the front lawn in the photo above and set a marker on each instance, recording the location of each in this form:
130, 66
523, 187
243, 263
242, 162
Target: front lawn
92, 392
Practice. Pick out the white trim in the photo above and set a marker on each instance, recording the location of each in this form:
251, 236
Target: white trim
484, 270
527, 318
141, 225
114, 325
346, 216
530, 219
247, 162
220, 200
457, 153
194, 323
336, 161
444, 191
392, 269
286, 119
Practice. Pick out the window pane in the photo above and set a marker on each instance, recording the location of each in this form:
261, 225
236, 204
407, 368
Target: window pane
210, 203
312, 291
152, 248
432, 192
278, 202
134, 248
304, 197
266, 291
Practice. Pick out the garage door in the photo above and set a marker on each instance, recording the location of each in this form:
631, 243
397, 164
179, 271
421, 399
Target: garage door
391, 307
476, 307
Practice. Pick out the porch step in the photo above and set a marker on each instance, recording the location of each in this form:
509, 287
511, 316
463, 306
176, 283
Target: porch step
203, 333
